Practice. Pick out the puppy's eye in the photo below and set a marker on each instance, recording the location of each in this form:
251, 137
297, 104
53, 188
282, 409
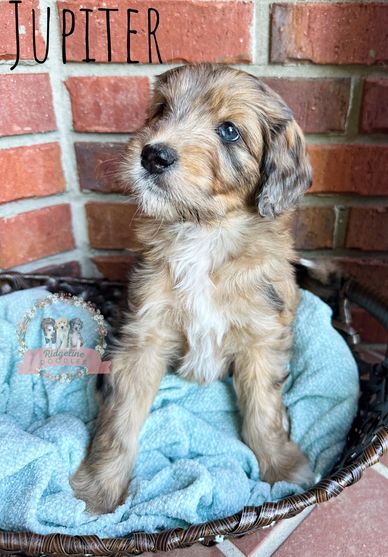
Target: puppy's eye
228, 132
159, 110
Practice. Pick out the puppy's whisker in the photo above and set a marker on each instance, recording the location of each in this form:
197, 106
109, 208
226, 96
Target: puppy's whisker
135, 214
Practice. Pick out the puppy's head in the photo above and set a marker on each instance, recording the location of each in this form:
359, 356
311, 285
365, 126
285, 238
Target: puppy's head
61, 324
75, 324
48, 326
217, 139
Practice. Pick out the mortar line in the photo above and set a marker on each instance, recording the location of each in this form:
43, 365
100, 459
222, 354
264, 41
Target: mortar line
265, 68
253, 33
281, 532
373, 346
63, 114
354, 113
340, 226
318, 1
71, 255
381, 469
28, 140
343, 200
13, 208
31, 139
56, 259
262, 34
343, 253
228, 549
82, 197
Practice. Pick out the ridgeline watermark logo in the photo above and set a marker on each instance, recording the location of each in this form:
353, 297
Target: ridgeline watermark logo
62, 342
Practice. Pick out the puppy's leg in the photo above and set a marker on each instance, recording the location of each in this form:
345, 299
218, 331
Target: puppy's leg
259, 373
103, 478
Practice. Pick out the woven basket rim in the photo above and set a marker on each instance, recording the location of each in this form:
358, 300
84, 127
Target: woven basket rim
248, 520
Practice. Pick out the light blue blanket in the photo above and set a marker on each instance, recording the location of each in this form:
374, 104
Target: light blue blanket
192, 465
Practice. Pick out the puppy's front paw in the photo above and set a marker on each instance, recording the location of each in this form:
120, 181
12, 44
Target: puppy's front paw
289, 465
101, 494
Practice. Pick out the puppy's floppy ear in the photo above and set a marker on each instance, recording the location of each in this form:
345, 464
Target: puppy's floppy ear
285, 171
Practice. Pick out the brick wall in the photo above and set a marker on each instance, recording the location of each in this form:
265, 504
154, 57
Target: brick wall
63, 126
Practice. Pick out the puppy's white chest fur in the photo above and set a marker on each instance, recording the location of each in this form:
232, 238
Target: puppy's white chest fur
195, 253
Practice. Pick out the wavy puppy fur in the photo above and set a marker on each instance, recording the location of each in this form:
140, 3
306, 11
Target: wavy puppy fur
216, 170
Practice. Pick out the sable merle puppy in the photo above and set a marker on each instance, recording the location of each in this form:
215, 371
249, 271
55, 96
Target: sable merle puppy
75, 339
216, 169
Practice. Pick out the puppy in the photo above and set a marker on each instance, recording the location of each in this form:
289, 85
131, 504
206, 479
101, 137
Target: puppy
75, 339
49, 333
216, 170
62, 332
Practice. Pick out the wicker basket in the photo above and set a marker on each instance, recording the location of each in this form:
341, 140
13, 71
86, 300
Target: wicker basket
367, 440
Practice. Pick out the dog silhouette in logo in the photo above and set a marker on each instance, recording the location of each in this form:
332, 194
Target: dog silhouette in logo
75, 339
49, 332
62, 330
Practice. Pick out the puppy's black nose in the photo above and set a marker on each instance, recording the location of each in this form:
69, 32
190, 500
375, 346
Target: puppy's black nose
158, 157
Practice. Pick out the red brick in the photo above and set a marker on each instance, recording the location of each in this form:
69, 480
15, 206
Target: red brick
371, 272
196, 550
68, 269
30, 171
319, 105
111, 225
250, 544
369, 329
356, 169
367, 229
98, 166
189, 31
331, 33
7, 31
26, 104
35, 234
313, 227
374, 112
114, 267
108, 104
352, 524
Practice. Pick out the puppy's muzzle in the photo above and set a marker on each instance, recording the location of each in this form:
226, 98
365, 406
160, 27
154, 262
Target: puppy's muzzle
157, 158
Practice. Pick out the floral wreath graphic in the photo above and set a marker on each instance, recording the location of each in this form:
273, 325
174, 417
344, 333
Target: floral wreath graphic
36, 361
